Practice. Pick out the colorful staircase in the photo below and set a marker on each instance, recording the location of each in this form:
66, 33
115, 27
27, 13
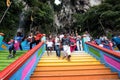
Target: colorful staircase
4, 61
81, 67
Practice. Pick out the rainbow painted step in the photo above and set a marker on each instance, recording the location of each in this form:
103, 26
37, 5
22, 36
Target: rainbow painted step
81, 67
4, 61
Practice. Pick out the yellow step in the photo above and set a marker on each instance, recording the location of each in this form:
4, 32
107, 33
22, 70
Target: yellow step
72, 60
67, 63
54, 54
56, 58
44, 56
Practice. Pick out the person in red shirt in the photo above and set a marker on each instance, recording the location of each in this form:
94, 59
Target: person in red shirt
37, 37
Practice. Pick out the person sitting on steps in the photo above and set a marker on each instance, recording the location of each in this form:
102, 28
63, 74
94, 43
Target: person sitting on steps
13, 46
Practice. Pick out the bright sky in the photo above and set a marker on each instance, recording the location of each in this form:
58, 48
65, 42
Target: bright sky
95, 2
57, 2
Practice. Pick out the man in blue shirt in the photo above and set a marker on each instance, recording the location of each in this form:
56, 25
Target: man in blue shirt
116, 40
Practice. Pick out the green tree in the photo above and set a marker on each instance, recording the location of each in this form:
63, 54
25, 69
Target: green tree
9, 23
101, 18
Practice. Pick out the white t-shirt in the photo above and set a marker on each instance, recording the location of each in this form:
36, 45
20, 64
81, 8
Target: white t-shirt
49, 44
57, 41
61, 36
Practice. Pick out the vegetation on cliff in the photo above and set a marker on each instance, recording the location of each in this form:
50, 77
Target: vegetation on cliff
98, 20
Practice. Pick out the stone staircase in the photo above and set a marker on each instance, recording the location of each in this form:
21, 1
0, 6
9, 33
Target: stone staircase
81, 67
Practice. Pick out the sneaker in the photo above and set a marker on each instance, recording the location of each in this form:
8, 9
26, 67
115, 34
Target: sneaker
69, 57
64, 57
10, 56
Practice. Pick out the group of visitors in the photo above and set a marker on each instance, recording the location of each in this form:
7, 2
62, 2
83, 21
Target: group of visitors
34, 38
74, 42
15, 43
65, 42
103, 41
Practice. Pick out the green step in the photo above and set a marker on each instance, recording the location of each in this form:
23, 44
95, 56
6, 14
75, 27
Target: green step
1, 68
4, 64
4, 61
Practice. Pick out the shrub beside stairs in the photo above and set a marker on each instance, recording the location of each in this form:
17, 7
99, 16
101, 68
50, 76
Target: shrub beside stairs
81, 67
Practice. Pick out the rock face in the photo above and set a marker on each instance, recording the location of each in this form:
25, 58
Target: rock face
64, 19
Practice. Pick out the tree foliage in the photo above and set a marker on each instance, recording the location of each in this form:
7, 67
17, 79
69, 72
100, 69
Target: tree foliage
42, 14
97, 20
10, 22
39, 10
101, 18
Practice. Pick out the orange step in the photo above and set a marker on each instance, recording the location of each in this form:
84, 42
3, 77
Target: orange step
70, 72
55, 68
78, 77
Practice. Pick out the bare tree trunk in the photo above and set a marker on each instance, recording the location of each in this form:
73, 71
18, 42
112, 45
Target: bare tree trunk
102, 27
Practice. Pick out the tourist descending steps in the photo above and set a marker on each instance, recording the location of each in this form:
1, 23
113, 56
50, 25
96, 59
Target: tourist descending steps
49, 44
79, 42
57, 46
66, 47
72, 43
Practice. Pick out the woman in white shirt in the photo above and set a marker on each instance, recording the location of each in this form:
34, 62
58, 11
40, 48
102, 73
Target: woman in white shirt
49, 44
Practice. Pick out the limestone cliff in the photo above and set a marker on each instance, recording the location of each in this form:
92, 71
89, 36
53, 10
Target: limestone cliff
63, 18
